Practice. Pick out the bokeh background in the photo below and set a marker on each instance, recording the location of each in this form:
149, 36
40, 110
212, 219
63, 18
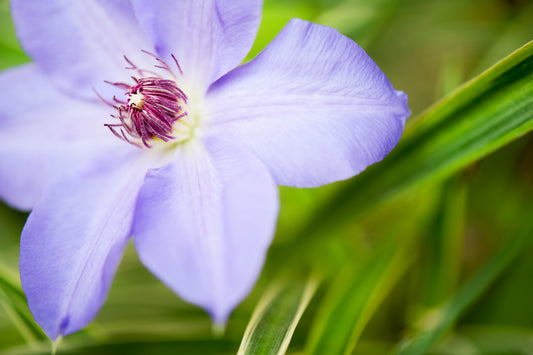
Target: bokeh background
450, 259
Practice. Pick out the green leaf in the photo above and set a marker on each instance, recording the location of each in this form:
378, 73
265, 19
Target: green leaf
13, 301
355, 296
273, 323
361, 20
445, 243
10, 51
483, 115
438, 320
131, 347
491, 339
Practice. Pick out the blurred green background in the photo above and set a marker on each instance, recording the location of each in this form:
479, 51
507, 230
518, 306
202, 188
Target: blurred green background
441, 264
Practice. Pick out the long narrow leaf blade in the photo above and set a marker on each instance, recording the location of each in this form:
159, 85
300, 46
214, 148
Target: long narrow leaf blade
274, 321
355, 296
13, 301
448, 314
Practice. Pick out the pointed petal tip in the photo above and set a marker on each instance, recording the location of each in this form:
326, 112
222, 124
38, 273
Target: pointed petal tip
73, 242
218, 327
204, 222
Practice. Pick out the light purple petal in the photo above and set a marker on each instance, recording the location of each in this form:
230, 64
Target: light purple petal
209, 37
204, 222
312, 106
73, 241
44, 134
81, 43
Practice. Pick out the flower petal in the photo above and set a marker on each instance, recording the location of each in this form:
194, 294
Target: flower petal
44, 134
73, 241
204, 223
81, 43
209, 37
313, 106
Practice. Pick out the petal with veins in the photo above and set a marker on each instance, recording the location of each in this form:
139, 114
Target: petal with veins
44, 134
204, 222
312, 106
74, 239
79, 44
208, 37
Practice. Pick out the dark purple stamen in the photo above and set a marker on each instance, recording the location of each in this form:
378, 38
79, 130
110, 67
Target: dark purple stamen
153, 105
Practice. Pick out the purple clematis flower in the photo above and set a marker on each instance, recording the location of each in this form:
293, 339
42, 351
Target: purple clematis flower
189, 161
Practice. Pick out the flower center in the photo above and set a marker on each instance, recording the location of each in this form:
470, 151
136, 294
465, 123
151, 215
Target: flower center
154, 106
136, 100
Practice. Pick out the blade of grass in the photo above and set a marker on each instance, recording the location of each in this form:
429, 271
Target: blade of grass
499, 339
132, 347
445, 244
275, 318
13, 301
355, 296
442, 319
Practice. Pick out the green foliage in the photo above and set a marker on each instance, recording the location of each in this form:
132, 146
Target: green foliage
273, 323
427, 252
437, 321
10, 52
354, 297
13, 301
